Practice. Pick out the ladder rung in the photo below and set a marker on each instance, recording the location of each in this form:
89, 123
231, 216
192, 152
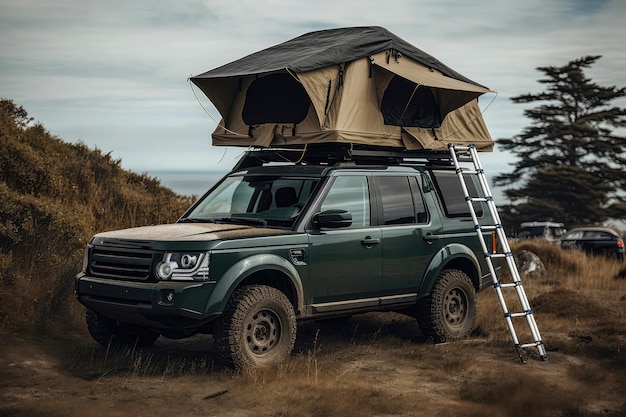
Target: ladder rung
524, 314
527, 345
468, 171
460, 148
507, 285
479, 199
488, 227
500, 255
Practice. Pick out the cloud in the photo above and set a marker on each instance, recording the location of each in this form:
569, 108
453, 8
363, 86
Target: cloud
114, 74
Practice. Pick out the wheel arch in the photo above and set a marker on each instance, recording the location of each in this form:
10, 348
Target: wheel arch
452, 256
261, 269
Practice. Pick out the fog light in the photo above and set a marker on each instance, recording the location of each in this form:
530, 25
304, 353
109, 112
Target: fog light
169, 296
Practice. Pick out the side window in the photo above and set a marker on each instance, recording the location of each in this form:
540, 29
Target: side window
451, 193
418, 200
397, 202
350, 193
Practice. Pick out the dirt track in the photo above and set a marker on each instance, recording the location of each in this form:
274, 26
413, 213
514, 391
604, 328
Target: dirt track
369, 368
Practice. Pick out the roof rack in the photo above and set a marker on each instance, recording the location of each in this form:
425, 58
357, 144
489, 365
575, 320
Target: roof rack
337, 153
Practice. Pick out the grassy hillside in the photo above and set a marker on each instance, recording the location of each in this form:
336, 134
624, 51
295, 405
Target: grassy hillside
53, 197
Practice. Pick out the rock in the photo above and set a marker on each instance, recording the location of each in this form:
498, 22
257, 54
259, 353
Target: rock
529, 264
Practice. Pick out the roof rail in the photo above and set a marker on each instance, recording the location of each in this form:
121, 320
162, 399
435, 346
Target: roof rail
336, 153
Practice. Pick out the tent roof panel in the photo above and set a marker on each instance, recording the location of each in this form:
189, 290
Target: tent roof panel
324, 48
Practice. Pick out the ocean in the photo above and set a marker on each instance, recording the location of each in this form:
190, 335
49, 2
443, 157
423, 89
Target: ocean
189, 182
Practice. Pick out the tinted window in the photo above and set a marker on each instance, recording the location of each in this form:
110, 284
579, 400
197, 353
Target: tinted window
451, 193
418, 201
397, 202
575, 235
350, 193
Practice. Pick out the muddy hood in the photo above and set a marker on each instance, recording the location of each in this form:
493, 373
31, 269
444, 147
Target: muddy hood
189, 232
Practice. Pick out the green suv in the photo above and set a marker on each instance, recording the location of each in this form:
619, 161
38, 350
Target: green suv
277, 242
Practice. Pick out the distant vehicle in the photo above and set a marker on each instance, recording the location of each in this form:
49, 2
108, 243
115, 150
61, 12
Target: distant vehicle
594, 241
541, 230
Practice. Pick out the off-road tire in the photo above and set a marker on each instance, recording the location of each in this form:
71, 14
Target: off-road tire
110, 333
449, 312
257, 327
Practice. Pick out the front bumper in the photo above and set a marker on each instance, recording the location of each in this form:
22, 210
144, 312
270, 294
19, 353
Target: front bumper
161, 305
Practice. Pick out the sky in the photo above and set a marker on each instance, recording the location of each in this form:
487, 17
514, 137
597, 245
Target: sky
114, 74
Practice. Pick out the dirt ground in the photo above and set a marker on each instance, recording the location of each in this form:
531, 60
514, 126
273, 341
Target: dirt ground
371, 367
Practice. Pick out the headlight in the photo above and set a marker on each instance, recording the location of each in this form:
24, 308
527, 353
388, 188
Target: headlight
184, 266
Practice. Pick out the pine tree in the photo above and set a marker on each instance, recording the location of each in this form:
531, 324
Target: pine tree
572, 166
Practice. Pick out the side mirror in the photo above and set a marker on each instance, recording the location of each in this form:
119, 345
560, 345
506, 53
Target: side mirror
333, 219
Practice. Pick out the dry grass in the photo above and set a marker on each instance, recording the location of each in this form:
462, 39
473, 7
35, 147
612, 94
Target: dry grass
375, 364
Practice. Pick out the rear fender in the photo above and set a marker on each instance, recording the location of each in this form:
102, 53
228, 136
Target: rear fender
455, 256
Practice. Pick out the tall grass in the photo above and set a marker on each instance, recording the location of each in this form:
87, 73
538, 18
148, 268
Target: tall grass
580, 299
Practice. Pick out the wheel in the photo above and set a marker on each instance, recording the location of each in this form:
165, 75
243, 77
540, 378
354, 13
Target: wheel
449, 312
257, 327
109, 332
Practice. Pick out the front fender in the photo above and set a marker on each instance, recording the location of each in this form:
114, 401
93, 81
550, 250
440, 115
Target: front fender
456, 255
236, 274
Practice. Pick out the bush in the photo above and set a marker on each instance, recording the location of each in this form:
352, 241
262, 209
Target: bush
53, 197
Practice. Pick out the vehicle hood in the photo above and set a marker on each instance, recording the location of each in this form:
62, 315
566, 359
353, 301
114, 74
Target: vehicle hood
189, 232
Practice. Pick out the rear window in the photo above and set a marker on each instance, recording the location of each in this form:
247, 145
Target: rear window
451, 193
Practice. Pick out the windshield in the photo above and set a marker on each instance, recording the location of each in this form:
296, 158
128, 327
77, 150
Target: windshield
253, 199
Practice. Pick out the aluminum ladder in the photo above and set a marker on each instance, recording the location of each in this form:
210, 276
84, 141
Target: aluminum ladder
469, 154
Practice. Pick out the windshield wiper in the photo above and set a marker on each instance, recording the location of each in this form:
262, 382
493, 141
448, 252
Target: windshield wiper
230, 220
245, 220
194, 220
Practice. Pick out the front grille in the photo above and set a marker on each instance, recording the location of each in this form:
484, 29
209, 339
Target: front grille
119, 261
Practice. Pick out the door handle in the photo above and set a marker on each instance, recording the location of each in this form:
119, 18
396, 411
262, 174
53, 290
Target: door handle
369, 242
430, 238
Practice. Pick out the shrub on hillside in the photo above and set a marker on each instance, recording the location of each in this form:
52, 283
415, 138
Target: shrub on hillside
53, 197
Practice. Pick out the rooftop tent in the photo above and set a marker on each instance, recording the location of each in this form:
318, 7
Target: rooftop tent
360, 85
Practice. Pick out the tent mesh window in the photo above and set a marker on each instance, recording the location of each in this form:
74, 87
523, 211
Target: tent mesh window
275, 98
404, 105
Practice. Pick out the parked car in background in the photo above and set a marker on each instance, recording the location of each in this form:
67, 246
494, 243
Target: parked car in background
594, 241
541, 230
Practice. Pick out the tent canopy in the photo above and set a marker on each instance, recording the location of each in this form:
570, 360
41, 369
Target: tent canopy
361, 85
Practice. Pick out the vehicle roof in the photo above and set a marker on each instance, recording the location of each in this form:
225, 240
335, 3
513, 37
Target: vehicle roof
538, 224
593, 229
324, 170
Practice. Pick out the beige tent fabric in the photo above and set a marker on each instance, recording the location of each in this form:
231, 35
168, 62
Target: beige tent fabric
462, 127
322, 86
349, 111
420, 74
458, 92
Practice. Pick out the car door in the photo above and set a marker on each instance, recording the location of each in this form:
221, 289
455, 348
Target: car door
405, 228
345, 263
